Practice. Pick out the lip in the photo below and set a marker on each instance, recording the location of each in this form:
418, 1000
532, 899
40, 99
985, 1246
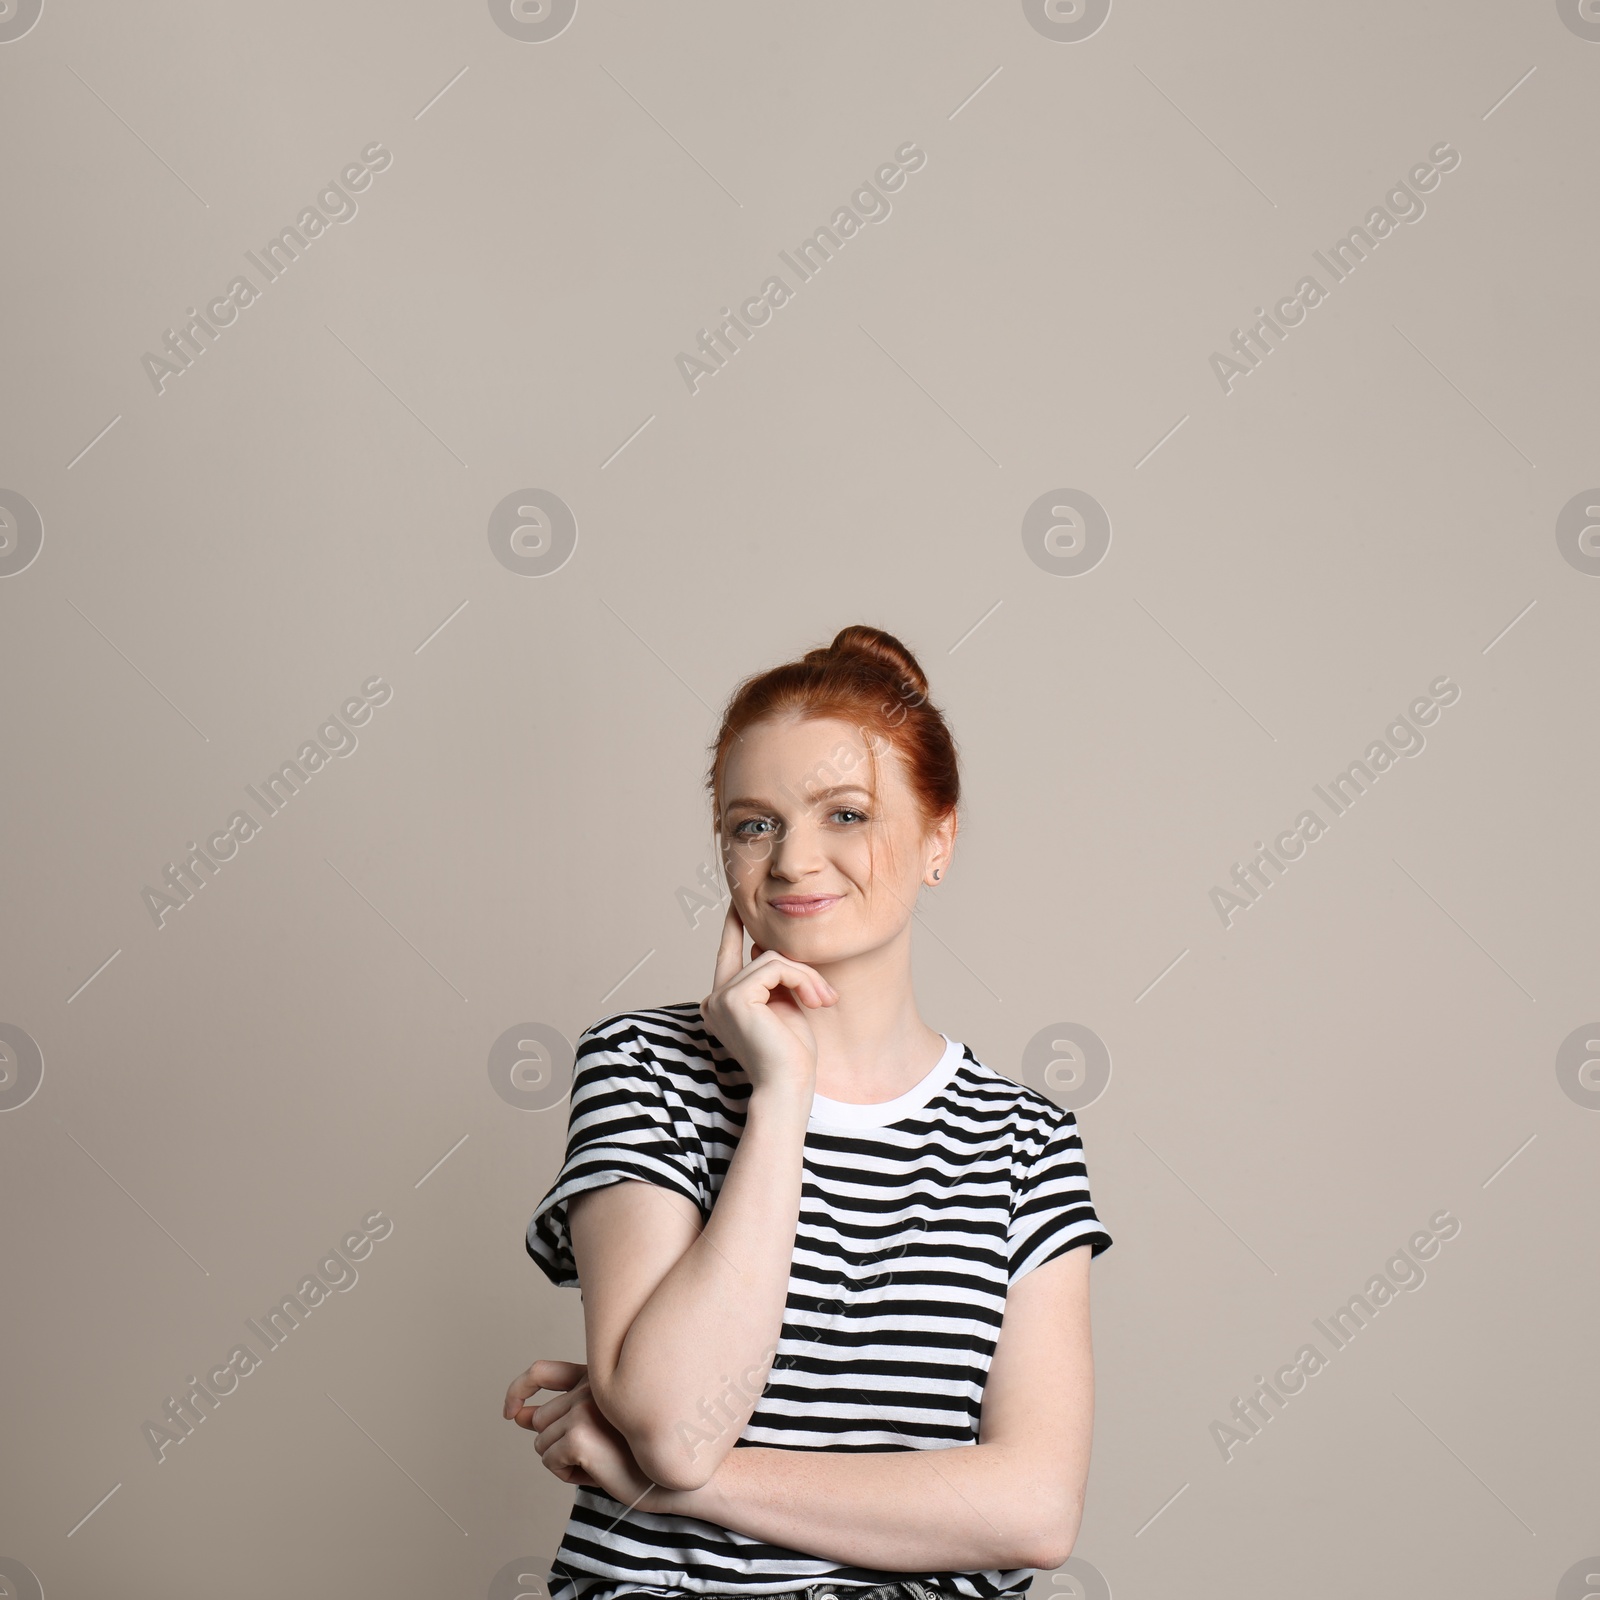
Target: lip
804, 905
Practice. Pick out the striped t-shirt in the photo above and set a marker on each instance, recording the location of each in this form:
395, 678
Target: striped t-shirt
915, 1215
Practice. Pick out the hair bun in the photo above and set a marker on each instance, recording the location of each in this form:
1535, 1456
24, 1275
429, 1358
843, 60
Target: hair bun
882, 648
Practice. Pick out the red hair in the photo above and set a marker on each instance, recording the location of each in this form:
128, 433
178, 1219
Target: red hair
867, 678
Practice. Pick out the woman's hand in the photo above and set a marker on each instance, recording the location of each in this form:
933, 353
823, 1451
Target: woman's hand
755, 1009
575, 1441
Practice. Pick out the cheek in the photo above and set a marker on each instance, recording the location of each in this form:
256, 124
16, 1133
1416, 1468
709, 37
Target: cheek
872, 878
750, 858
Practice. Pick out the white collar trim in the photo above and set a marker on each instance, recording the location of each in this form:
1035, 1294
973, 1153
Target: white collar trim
826, 1113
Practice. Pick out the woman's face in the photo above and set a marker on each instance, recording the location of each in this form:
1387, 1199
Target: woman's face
820, 867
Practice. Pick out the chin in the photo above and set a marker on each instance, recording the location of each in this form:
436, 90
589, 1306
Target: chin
797, 944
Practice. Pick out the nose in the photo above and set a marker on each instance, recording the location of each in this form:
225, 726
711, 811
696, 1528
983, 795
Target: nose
795, 852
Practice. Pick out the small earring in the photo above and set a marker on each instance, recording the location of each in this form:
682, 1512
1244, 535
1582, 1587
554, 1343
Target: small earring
935, 874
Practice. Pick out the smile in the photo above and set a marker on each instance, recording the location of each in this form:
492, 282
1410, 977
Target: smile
805, 905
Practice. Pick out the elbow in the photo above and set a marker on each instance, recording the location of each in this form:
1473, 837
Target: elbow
1048, 1541
672, 1455
1048, 1553
674, 1458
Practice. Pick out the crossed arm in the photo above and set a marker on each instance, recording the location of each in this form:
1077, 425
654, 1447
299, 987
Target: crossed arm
1014, 1499
673, 1311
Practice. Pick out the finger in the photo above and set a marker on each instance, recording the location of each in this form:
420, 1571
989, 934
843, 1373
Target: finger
802, 983
805, 982
527, 1382
543, 1375
536, 1417
567, 1468
542, 1415
730, 953
548, 1438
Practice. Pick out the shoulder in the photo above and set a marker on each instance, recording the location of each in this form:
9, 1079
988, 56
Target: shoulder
1031, 1117
670, 1041
677, 1027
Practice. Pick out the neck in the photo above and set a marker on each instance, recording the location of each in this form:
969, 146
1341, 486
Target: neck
872, 1045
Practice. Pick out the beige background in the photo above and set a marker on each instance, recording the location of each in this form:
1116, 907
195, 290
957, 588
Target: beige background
515, 837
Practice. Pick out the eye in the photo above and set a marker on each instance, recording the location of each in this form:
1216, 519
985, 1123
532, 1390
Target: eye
747, 828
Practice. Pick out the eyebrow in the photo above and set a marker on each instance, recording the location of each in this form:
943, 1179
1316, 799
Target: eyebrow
825, 794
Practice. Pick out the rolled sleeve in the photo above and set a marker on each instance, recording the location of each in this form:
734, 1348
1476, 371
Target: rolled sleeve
1051, 1210
623, 1122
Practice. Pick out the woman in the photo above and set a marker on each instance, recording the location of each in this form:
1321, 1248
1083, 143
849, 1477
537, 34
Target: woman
833, 1207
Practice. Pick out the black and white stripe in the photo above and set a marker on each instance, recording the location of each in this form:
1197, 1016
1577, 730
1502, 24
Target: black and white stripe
915, 1216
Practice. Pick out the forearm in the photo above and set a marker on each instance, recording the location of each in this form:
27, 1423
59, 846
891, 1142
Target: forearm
967, 1507
696, 1356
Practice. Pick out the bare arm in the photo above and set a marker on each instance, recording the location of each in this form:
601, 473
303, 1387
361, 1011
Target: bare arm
1014, 1499
681, 1320
682, 1323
